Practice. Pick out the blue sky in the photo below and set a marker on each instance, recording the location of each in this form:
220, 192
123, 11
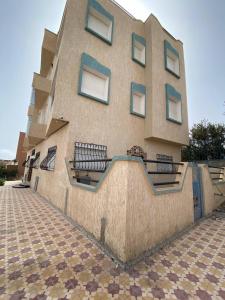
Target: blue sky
199, 24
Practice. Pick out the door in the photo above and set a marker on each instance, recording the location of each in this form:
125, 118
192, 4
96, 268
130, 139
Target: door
197, 191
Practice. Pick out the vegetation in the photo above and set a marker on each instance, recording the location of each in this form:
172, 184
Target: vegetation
2, 181
7, 174
207, 142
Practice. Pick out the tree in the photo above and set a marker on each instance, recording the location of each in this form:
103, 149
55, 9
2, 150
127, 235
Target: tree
207, 141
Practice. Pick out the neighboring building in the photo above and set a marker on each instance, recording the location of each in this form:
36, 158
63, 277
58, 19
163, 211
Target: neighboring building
20, 154
107, 79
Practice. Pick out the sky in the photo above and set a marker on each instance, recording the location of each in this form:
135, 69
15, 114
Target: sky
199, 24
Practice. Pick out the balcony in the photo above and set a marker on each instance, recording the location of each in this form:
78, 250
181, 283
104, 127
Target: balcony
26, 145
42, 87
49, 46
36, 132
31, 110
55, 122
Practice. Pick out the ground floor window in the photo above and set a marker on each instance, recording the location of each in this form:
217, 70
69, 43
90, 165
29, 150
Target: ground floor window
161, 167
36, 160
49, 161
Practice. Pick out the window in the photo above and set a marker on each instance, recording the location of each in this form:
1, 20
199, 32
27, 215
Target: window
138, 101
172, 63
138, 49
86, 151
36, 160
26, 163
94, 79
99, 21
164, 167
173, 105
48, 163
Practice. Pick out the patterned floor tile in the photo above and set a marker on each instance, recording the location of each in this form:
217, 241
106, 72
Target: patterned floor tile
42, 256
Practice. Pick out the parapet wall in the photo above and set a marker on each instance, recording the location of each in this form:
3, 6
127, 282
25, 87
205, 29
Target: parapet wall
138, 216
212, 191
125, 211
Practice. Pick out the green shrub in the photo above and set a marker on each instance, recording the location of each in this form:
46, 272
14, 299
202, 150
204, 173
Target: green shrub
2, 181
3, 172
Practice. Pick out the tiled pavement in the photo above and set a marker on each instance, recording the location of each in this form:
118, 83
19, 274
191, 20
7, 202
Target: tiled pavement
42, 256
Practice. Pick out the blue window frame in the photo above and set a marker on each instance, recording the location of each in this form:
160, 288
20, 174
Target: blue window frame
94, 79
172, 61
99, 21
138, 49
173, 105
138, 100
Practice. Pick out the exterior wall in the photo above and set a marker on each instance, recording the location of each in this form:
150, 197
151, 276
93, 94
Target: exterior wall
113, 125
52, 184
119, 199
20, 154
211, 191
156, 125
138, 216
151, 218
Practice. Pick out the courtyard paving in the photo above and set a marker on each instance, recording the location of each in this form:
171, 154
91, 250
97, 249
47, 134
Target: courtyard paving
42, 256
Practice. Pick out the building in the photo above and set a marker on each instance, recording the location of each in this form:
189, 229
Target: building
105, 79
20, 155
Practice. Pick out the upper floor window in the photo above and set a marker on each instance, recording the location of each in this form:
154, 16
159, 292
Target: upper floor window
138, 49
173, 105
172, 63
94, 79
99, 21
48, 163
138, 101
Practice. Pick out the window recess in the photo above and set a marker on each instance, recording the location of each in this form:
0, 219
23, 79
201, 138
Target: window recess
48, 163
172, 62
173, 105
36, 161
94, 79
139, 49
138, 100
99, 21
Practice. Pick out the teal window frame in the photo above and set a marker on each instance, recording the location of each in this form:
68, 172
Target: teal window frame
92, 64
141, 40
137, 88
168, 46
171, 92
93, 4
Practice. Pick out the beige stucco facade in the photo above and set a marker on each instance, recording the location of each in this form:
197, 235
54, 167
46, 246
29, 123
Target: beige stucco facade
92, 121
213, 191
59, 116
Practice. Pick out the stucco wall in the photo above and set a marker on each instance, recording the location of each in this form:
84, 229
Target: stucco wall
211, 191
52, 184
156, 125
137, 215
112, 124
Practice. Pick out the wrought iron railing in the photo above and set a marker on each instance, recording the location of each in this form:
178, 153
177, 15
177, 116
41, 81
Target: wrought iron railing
213, 173
172, 172
90, 157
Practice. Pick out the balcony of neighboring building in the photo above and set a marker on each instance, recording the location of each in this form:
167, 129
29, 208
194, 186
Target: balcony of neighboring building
42, 88
49, 46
